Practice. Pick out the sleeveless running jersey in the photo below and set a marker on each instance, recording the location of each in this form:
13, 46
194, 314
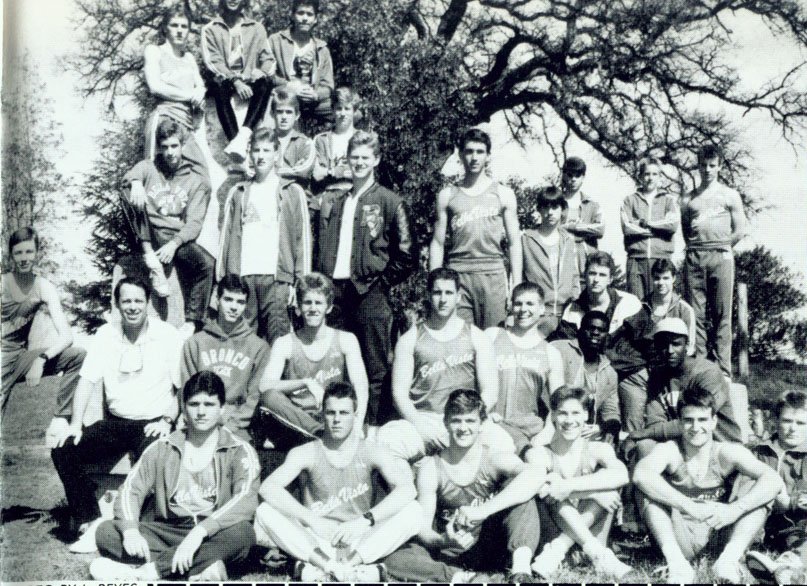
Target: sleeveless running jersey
441, 367
18, 311
523, 377
714, 486
328, 369
451, 496
476, 231
181, 73
339, 494
584, 467
196, 492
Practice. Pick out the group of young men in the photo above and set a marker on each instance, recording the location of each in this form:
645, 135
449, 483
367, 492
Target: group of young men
497, 434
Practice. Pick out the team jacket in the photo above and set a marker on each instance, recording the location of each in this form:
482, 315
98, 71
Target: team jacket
635, 208
294, 245
557, 292
215, 43
383, 249
238, 358
791, 466
282, 47
297, 162
157, 473
631, 346
590, 213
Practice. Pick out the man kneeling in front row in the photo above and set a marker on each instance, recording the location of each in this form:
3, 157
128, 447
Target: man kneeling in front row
340, 529
204, 480
686, 484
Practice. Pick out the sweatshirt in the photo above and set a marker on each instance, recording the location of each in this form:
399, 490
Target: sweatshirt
157, 473
238, 358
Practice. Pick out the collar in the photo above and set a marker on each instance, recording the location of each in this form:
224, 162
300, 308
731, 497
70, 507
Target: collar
773, 445
226, 439
150, 335
647, 302
245, 21
286, 34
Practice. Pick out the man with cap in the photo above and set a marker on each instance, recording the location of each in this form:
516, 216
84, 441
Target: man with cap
583, 217
675, 373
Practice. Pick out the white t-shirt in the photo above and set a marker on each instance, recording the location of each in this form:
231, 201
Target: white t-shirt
260, 231
341, 269
574, 207
138, 378
552, 244
339, 143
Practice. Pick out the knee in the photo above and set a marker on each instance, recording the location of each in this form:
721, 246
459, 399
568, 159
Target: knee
242, 533
108, 539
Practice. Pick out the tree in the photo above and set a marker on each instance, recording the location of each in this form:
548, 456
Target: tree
773, 295
34, 192
615, 74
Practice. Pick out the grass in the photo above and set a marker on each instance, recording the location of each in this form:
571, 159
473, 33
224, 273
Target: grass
33, 499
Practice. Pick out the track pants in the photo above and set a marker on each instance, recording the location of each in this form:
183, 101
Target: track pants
223, 91
231, 544
267, 309
639, 279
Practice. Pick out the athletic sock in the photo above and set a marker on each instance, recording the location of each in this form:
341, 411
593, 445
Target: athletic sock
521, 560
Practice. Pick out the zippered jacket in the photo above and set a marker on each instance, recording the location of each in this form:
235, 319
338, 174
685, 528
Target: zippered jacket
215, 41
635, 208
157, 473
557, 291
282, 47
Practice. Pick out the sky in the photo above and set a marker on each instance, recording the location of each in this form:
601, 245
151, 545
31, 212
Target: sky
782, 170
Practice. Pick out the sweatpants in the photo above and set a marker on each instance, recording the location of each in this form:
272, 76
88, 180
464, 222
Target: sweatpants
286, 424
223, 91
194, 265
638, 277
231, 544
402, 438
369, 318
69, 361
709, 289
483, 298
104, 440
501, 535
299, 541
633, 400
267, 310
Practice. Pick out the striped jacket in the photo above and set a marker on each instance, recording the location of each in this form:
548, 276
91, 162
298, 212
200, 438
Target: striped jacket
157, 473
636, 212
294, 244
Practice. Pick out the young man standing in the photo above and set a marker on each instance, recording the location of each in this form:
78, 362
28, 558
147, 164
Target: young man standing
632, 351
713, 221
137, 361
581, 493
587, 367
649, 219
297, 44
598, 295
24, 294
685, 485
296, 156
367, 248
477, 505
228, 347
786, 451
166, 204
433, 359
341, 527
266, 239
204, 481
302, 365
552, 258
583, 218
477, 217
235, 49
529, 369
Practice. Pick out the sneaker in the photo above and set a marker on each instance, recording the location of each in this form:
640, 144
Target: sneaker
86, 543
104, 569
159, 282
215, 572
683, 574
237, 148
57, 427
305, 572
364, 573
608, 564
730, 571
463, 577
547, 562
520, 578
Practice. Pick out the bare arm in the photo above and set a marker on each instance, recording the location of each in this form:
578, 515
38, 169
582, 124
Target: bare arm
523, 483
611, 474
355, 371
767, 483
272, 376
557, 376
437, 245
648, 477
486, 372
398, 476
64, 337
274, 491
738, 219
427, 497
513, 235
403, 372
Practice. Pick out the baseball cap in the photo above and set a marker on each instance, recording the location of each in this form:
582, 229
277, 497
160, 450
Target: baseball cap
574, 165
671, 325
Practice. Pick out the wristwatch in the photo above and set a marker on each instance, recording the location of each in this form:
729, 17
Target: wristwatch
369, 516
44, 356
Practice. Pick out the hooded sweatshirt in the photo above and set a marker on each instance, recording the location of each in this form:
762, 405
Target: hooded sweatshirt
238, 358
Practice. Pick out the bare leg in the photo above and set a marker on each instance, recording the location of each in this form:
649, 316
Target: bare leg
661, 526
727, 566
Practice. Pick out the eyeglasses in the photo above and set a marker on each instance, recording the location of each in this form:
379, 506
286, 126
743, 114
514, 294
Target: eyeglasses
131, 360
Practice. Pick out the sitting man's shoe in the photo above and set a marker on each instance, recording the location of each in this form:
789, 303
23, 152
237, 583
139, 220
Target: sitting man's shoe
86, 543
305, 572
520, 578
369, 573
215, 572
104, 569
608, 564
730, 571
463, 577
